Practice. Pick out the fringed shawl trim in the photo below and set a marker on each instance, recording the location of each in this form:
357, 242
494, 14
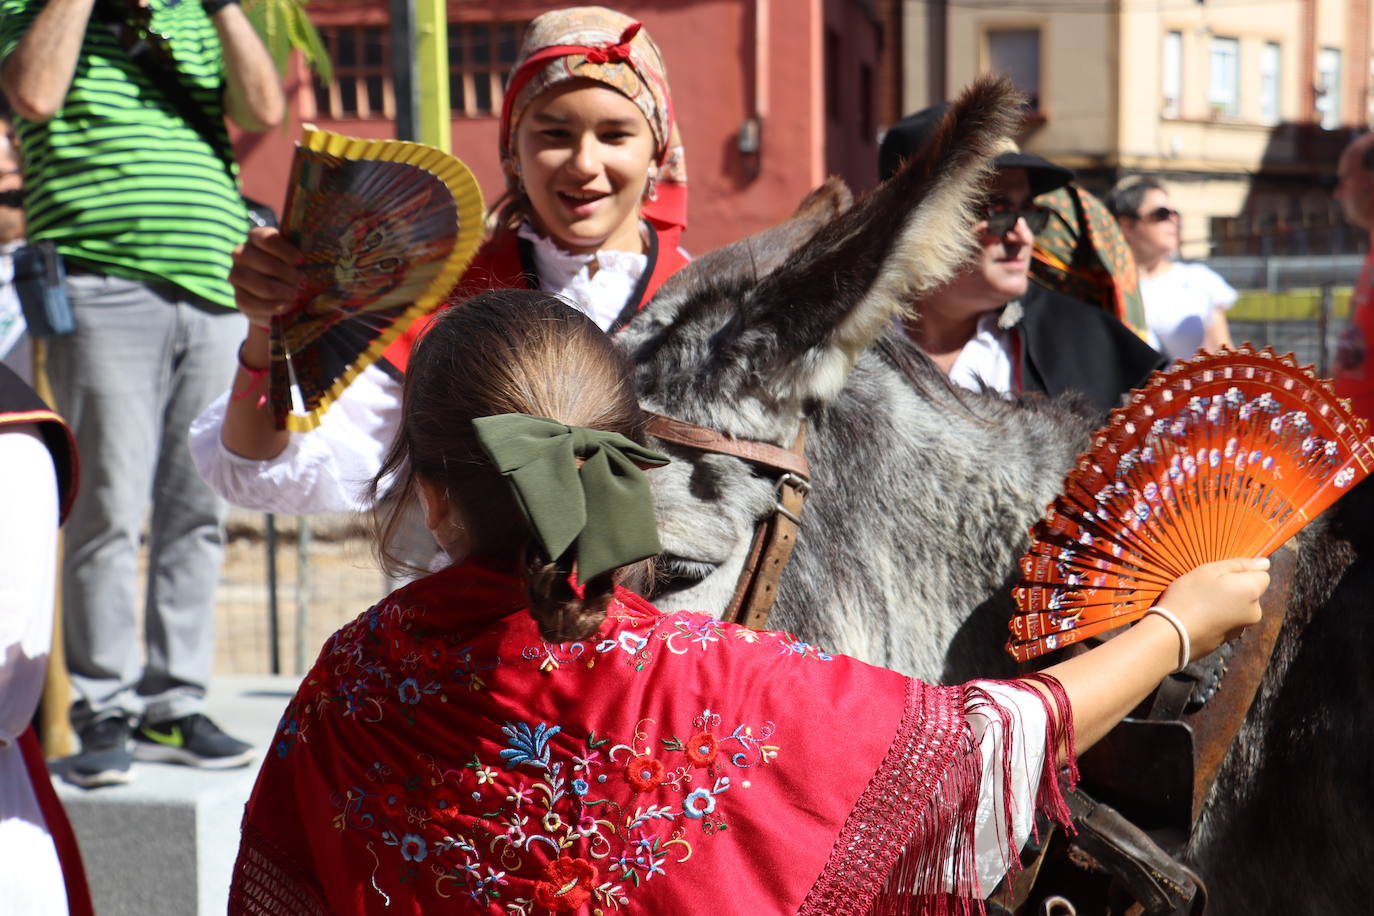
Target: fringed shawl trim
908, 846
268, 883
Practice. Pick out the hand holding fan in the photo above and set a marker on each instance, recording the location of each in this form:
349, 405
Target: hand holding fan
387, 228
1223, 455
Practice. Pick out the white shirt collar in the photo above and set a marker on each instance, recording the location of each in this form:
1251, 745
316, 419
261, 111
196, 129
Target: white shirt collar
987, 360
600, 296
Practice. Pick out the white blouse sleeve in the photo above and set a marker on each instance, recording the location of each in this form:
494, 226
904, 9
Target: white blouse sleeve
1027, 751
28, 546
324, 470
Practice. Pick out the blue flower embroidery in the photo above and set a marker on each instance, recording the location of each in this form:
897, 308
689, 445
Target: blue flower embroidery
698, 804
528, 746
580, 787
413, 848
409, 691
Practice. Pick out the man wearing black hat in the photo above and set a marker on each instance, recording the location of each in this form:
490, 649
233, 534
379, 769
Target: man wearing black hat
990, 327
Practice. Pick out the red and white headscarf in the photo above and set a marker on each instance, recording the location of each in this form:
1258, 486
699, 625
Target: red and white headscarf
592, 42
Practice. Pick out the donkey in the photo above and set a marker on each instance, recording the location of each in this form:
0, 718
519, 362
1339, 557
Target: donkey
923, 494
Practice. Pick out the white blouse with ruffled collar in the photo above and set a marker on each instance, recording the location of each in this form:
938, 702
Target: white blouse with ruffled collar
600, 295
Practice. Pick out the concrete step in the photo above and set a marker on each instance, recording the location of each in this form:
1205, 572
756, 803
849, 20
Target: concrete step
164, 845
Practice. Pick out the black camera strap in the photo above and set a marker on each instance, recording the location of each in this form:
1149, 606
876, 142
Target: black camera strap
150, 52
159, 66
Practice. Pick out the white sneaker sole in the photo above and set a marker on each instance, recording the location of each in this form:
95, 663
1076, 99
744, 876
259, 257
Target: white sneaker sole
160, 753
96, 780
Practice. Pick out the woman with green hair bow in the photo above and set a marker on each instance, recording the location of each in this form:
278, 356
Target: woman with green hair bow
521, 733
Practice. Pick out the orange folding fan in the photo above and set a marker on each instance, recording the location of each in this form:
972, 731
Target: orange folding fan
1223, 455
387, 227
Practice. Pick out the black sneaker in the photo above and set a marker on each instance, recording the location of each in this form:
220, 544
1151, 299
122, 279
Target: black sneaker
193, 740
104, 758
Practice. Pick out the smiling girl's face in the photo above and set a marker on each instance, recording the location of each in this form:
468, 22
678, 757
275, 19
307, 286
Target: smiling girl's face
584, 153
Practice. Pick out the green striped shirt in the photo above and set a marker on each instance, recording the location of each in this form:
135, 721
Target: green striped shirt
117, 178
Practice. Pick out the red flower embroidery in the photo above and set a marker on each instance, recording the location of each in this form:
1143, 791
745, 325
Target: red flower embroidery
393, 797
444, 805
643, 773
701, 749
567, 885
434, 653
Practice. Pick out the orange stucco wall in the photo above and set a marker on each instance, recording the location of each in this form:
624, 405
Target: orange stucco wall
710, 49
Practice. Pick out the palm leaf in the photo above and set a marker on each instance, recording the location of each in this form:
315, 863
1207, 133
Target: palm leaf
284, 26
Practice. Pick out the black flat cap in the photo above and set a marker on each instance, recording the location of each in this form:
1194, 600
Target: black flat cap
905, 138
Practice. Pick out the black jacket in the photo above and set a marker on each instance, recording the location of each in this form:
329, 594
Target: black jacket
1067, 345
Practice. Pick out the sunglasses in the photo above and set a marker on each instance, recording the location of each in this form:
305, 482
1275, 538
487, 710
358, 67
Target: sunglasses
1002, 220
1158, 215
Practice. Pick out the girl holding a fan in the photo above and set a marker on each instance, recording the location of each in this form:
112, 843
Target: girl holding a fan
594, 206
519, 732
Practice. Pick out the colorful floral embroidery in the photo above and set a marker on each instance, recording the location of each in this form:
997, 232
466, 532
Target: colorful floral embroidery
553, 830
550, 820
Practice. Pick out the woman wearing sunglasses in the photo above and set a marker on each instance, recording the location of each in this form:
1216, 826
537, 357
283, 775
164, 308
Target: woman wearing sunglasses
1185, 304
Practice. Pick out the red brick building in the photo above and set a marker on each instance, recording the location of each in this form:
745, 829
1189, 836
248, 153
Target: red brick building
771, 95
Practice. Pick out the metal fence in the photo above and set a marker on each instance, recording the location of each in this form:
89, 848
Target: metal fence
1296, 303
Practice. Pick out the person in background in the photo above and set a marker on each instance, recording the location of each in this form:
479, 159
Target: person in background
989, 327
1354, 369
594, 207
520, 732
1082, 254
14, 349
1185, 304
128, 171
41, 872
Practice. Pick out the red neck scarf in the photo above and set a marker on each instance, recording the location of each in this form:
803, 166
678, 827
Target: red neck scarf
441, 757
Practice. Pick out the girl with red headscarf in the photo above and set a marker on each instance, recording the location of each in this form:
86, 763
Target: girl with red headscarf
521, 733
593, 210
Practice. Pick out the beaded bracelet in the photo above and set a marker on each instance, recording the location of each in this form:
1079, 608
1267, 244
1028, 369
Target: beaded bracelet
1185, 648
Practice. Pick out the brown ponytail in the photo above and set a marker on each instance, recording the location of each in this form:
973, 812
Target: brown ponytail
507, 351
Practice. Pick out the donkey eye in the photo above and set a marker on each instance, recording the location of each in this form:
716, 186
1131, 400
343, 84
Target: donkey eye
674, 573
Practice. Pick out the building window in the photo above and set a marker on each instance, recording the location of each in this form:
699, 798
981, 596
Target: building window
1329, 88
480, 57
1223, 89
1171, 75
1015, 53
1270, 59
362, 74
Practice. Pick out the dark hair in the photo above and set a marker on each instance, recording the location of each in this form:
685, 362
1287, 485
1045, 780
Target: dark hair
508, 351
1126, 197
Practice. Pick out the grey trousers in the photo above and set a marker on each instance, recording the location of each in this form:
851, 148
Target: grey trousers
143, 362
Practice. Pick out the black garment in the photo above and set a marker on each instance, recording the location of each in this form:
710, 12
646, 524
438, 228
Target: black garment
19, 404
1067, 345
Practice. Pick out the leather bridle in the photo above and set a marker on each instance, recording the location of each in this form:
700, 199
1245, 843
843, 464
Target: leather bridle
776, 533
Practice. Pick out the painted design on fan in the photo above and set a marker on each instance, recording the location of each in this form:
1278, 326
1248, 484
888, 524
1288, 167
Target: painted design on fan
1223, 455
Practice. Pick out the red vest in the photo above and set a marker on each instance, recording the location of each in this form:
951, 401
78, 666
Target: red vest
498, 265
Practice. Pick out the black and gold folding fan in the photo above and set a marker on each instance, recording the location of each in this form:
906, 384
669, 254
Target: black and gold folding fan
387, 227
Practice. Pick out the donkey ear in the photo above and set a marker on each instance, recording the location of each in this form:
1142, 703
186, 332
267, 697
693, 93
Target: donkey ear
807, 321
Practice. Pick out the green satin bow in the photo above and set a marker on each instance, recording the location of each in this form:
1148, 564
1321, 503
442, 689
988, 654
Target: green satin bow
604, 507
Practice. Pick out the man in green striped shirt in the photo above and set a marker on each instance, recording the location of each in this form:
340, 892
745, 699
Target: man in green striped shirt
141, 199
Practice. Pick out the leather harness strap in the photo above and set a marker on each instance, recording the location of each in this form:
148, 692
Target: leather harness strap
776, 533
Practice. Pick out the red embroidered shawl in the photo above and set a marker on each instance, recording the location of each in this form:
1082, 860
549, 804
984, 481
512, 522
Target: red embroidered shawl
440, 757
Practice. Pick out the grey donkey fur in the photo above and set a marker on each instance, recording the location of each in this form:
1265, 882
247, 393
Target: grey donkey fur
923, 494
